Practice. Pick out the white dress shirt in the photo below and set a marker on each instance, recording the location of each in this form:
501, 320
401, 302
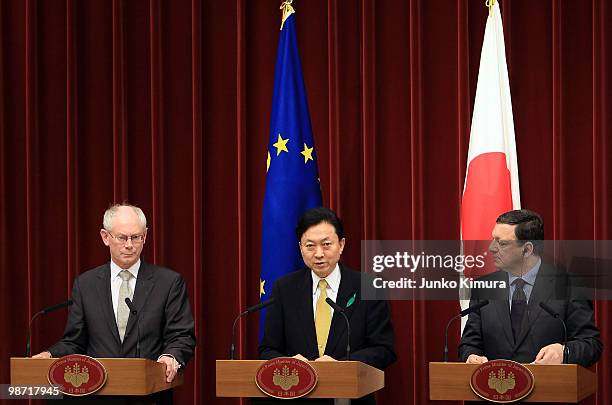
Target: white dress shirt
333, 283
116, 282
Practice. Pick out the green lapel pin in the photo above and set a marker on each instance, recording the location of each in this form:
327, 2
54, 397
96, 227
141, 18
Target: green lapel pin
351, 300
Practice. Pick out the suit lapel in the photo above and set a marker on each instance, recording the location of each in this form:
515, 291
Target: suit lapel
104, 297
338, 325
542, 290
144, 285
306, 315
503, 309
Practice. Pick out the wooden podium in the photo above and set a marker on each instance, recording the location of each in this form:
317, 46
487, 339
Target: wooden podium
336, 379
568, 383
125, 376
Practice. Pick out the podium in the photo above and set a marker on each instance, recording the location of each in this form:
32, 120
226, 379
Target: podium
125, 376
336, 379
567, 383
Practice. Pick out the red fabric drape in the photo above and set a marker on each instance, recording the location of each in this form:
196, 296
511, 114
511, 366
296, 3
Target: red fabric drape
167, 103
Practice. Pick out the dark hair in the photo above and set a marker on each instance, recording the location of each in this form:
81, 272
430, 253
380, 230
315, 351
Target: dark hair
316, 216
529, 227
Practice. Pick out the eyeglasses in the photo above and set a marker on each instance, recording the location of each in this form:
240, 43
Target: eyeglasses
502, 244
311, 247
136, 239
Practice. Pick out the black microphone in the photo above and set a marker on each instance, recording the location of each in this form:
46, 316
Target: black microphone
43, 312
339, 309
135, 313
249, 310
556, 315
257, 307
473, 308
463, 313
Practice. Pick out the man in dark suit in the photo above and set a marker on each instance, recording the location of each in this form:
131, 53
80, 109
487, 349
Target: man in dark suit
514, 326
100, 324
301, 324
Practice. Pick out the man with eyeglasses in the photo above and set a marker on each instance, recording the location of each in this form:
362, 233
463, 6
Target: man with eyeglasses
100, 323
301, 324
513, 326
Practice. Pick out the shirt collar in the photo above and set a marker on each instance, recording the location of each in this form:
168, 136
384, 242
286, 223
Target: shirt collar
116, 269
528, 277
333, 280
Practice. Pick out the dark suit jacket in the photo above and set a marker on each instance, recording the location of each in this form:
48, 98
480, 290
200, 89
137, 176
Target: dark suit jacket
488, 332
290, 329
160, 297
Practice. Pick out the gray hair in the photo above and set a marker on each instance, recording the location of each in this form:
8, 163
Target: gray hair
110, 213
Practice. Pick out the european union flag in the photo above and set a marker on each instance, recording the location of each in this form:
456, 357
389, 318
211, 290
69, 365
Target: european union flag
292, 180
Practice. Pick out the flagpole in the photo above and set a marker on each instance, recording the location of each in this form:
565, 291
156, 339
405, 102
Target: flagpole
287, 11
490, 4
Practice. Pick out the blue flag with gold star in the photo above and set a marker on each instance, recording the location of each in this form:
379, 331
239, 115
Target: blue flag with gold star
292, 180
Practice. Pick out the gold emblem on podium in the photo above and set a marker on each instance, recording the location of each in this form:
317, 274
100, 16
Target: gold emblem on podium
286, 379
77, 374
500, 382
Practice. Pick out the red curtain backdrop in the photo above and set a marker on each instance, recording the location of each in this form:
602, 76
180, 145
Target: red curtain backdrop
166, 104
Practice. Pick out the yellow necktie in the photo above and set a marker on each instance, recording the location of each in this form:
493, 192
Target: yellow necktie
322, 317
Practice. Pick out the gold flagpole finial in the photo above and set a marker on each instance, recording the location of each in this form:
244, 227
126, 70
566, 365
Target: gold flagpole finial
490, 4
287, 11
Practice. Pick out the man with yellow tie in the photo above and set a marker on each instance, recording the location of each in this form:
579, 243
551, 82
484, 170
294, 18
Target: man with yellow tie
302, 325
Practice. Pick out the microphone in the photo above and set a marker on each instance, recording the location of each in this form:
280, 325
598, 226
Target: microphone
258, 307
556, 315
463, 313
249, 310
134, 312
473, 308
43, 312
339, 309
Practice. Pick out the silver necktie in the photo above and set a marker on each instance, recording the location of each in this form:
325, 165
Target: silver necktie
123, 312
